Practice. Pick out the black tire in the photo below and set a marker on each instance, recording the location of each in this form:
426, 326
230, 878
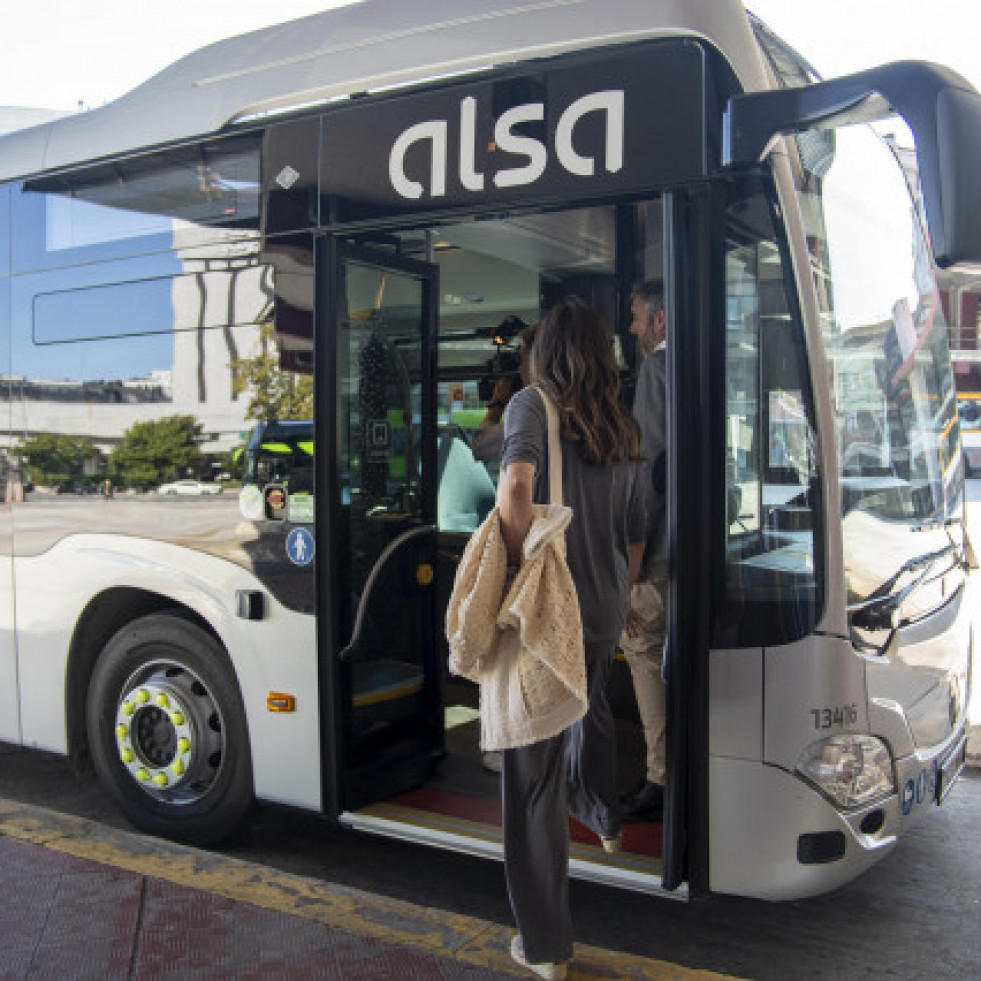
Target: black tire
182, 768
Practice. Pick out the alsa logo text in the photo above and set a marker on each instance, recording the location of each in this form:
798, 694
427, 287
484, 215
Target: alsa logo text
506, 139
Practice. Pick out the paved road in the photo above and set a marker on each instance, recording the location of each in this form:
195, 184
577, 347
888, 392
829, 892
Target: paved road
913, 916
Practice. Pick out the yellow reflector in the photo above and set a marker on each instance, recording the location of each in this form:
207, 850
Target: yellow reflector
121, 731
177, 718
142, 774
162, 700
128, 708
177, 768
161, 780
424, 574
183, 745
277, 701
126, 756
142, 696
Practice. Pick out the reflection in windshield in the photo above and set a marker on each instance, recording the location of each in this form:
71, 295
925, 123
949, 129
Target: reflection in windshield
892, 388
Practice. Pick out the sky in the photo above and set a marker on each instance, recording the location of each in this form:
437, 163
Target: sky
842, 36
60, 54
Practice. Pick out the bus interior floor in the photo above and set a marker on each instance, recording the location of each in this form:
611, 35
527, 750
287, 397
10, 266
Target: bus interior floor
465, 794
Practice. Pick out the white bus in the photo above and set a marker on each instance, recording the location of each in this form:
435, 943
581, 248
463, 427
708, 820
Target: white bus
335, 215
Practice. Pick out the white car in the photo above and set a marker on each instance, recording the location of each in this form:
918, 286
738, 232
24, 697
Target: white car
188, 487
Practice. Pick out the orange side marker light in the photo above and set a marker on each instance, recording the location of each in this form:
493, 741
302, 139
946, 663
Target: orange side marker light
277, 701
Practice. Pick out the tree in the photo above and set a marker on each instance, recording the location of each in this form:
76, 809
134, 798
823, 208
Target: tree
274, 393
155, 451
54, 457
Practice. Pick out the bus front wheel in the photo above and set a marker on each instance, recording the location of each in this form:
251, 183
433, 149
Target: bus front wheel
167, 731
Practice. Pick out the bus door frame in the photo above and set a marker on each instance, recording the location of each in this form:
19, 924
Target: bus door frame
331, 251
694, 236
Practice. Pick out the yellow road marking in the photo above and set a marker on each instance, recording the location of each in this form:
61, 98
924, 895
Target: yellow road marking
436, 932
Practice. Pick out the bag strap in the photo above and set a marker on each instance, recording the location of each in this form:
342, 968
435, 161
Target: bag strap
554, 448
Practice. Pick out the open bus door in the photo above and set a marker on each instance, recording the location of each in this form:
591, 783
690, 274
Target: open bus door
380, 676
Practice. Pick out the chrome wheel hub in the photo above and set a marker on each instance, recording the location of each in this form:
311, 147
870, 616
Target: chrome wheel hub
169, 733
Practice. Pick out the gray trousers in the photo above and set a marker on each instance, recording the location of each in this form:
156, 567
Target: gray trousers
571, 773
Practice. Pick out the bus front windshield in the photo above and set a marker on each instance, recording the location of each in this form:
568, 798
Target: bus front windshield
885, 338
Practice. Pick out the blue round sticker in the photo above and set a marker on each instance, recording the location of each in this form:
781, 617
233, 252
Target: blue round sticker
299, 546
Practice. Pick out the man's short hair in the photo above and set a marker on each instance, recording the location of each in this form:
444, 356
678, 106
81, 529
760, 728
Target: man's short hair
652, 293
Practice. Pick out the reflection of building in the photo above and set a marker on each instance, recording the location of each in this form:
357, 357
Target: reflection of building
960, 294
213, 307
97, 410
217, 304
960, 297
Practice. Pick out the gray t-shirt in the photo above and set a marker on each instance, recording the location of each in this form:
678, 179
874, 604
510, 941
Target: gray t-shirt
609, 511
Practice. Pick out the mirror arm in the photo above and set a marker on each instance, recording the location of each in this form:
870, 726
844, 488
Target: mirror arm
753, 119
941, 108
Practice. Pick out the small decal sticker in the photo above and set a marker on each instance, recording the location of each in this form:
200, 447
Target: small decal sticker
300, 546
301, 508
250, 502
287, 177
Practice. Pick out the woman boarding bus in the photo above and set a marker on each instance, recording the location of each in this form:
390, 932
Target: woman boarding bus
355, 199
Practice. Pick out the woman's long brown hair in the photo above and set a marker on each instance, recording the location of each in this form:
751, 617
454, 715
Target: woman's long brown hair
572, 360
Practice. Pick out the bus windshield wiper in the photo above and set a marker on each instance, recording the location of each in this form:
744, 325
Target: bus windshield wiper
935, 524
876, 610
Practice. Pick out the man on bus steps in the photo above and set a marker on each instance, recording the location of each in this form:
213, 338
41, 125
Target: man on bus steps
642, 641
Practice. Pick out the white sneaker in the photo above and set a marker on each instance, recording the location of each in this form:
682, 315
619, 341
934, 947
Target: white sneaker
544, 969
492, 761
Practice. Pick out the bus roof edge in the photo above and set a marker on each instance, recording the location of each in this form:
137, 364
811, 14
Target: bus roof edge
341, 52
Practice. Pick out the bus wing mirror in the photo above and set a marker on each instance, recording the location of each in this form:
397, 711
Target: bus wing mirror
941, 108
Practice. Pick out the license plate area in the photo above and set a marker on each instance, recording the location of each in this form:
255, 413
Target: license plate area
950, 770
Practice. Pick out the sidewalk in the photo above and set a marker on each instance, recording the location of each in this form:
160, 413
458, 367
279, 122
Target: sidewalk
81, 900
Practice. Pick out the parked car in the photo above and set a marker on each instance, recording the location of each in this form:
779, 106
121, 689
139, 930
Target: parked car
77, 487
189, 487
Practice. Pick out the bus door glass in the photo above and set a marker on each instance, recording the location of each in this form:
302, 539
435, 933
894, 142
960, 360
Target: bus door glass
385, 684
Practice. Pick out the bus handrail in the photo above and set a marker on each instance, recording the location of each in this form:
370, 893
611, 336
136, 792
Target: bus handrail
390, 549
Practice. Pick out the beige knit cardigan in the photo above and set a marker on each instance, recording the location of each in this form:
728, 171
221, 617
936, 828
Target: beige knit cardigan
525, 648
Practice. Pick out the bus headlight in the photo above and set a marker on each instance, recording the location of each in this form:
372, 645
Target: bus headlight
851, 770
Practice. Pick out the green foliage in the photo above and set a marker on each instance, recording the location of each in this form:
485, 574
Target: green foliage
53, 458
153, 452
274, 394
230, 461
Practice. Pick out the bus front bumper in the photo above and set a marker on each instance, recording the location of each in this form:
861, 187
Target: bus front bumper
774, 836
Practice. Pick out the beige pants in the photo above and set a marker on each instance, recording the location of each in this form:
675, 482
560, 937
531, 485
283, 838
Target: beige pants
644, 654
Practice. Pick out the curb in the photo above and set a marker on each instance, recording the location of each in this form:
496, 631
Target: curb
465, 939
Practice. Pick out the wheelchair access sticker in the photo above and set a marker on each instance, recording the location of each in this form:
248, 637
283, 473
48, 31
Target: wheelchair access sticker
300, 546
